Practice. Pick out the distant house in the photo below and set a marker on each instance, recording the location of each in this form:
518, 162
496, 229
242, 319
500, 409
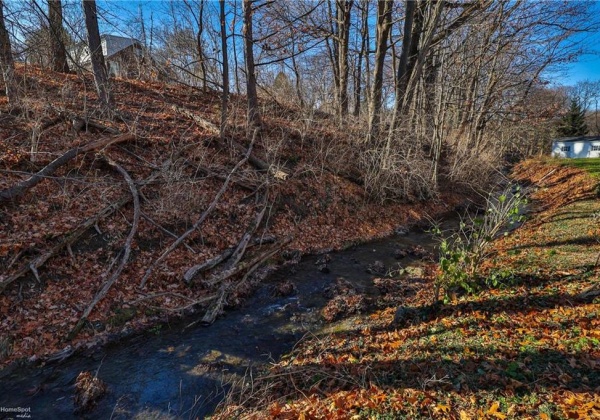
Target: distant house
123, 56
576, 147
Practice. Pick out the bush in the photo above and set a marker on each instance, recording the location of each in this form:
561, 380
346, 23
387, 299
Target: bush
462, 252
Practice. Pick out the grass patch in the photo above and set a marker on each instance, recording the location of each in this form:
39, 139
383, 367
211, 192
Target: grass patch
591, 165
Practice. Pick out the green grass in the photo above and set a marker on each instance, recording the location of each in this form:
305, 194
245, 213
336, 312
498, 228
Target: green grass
591, 165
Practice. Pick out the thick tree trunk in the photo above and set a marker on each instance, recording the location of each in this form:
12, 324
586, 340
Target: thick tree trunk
58, 49
384, 25
225, 69
96, 55
364, 35
402, 73
343, 14
7, 65
252, 95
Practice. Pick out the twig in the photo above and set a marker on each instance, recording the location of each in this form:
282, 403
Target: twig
164, 230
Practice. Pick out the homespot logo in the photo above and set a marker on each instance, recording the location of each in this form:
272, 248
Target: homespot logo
20, 412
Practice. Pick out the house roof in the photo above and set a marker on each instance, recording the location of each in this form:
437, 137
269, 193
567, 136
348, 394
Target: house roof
112, 44
578, 138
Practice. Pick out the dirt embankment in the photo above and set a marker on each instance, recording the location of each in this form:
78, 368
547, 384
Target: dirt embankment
178, 167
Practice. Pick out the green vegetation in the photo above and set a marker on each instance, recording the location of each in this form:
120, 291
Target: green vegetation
573, 123
591, 165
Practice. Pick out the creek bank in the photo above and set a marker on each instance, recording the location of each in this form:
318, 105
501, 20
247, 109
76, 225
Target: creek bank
171, 370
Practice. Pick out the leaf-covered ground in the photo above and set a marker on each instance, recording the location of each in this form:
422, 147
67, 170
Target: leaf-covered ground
528, 348
318, 204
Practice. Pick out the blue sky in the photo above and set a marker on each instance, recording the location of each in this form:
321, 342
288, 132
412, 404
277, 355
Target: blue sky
586, 67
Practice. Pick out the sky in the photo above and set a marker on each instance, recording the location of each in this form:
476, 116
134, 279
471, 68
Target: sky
585, 67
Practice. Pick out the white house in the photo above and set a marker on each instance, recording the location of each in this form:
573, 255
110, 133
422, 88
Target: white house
576, 147
122, 55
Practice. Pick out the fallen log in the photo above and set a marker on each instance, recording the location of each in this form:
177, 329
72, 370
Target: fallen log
200, 220
192, 272
20, 189
126, 249
226, 288
245, 265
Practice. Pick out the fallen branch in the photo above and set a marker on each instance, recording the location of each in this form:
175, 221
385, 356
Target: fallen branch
214, 130
237, 255
245, 265
72, 237
226, 288
126, 249
192, 272
19, 189
202, 217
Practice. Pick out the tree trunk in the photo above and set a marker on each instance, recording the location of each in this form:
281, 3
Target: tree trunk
401, 75
343, 14
96, 55
7, 65
200, 45
384, 25
252, 95
58, 49
364, 34
225, 70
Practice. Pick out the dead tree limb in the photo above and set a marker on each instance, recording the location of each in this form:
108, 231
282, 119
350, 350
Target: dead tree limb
245, 265
237, 255
214, 130
202, 217
19, 189
192, 272
72, 237
226, 288
126, 249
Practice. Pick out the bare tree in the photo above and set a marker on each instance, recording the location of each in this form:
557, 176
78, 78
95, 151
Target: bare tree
254, 119
58, 49
384, 26
96, 55
7, 65
225, 70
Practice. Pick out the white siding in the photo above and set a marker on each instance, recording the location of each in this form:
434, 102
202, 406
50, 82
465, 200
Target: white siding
576, 149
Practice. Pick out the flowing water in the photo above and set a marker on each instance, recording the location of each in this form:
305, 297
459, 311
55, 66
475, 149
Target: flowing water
177, 373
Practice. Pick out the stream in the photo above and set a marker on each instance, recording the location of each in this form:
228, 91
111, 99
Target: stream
170, 373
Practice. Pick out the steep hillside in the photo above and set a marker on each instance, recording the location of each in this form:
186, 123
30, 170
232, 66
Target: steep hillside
73, 241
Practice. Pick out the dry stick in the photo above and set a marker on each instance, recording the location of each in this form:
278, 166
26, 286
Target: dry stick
19, 189
192, 272
126, 250
216, 307
240, 249
37, 262
214, 130
202, 218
